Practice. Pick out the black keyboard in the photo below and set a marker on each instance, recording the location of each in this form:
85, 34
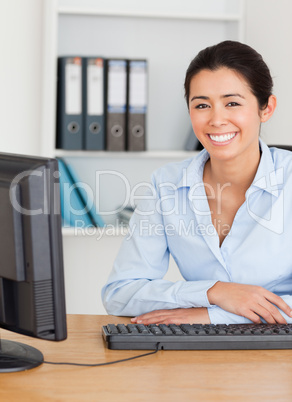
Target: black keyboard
198, 336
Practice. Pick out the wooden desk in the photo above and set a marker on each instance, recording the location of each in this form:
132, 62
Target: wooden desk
166, 376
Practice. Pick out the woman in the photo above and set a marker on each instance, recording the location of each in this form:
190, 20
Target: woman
221, 215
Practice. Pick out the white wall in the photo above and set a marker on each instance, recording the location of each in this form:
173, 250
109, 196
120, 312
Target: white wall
269, 31
20, 75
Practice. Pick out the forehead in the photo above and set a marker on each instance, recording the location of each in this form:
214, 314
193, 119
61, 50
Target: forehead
221, 81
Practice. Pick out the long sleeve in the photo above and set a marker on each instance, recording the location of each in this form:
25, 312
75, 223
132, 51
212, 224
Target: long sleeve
136, 285
219, 316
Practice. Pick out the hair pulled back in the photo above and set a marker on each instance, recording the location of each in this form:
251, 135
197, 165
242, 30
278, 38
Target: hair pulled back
238, 57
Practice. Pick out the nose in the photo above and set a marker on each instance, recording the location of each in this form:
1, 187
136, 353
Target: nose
218, 117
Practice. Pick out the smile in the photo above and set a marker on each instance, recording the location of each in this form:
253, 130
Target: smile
222, 137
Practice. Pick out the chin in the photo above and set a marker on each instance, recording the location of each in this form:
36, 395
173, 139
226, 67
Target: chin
222, 154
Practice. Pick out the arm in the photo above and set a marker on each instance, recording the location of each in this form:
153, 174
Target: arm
219, 316
213, 315
248, 302
136, 285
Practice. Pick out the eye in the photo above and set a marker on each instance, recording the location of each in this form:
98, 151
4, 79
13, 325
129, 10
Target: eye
201, 106
233, 104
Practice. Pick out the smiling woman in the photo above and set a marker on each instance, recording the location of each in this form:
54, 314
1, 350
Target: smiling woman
235, 195
228, 100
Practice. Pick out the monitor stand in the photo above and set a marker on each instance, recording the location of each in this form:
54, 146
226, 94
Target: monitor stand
16, 356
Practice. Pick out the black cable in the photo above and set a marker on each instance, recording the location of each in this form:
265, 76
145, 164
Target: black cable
83, 364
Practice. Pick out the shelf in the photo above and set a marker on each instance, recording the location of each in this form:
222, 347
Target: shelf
143, 14
126, 155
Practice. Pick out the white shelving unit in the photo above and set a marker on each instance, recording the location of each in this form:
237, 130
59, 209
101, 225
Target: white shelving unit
168, 34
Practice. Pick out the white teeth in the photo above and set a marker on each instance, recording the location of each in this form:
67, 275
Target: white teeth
222, 138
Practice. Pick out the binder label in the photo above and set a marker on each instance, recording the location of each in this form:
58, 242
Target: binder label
95, 87
117, 86
73, 86
138, 87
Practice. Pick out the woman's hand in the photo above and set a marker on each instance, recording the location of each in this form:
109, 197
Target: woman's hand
176, 316
249, 301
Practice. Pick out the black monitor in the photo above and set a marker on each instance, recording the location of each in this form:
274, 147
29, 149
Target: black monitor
32, 296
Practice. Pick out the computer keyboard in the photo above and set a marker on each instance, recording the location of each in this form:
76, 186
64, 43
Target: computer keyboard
198, 336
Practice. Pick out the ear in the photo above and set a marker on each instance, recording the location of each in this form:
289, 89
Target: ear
269, 110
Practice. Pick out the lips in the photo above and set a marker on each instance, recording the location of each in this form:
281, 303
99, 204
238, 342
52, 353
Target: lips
222, 138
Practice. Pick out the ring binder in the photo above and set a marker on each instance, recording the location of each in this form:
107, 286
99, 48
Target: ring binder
116, 101
137, 104
93, 100
69, 103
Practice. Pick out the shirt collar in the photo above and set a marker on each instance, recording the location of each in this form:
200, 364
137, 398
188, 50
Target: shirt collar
265, 178
194, 172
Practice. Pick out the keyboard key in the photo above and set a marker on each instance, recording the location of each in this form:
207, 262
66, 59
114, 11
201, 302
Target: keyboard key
142, 329
211, 331
156, 330
165, 329
122, 329
189, 329
112, 329
176, 329
132, 328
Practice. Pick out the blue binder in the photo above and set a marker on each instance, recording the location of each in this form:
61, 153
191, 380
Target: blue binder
74, 209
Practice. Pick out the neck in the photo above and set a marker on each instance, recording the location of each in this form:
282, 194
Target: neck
239, 171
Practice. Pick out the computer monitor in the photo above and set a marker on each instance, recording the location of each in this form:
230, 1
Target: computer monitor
32, 296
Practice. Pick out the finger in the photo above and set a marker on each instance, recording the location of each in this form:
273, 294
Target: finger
252, 316
153, 314
173, 316
266, 314
270, 313
165, 320
153, 320
144, 316
279, 302
150, 318
147, 315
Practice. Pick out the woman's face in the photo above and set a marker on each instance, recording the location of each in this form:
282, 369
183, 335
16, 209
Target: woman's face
224, 112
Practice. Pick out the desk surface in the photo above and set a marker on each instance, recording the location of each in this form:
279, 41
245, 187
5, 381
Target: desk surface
165, 376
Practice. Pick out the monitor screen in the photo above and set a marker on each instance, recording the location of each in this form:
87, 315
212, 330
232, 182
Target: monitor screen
32, 296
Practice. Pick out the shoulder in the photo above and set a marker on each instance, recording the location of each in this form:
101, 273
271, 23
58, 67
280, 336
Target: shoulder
175, 172
172, 172
282, 158
173, 169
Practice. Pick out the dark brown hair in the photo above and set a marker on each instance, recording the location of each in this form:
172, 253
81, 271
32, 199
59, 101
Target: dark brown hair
238, 57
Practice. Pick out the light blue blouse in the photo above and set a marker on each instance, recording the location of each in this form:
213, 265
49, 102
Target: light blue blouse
174, 218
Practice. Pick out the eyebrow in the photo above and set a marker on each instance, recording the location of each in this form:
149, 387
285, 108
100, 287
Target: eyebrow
222, 96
